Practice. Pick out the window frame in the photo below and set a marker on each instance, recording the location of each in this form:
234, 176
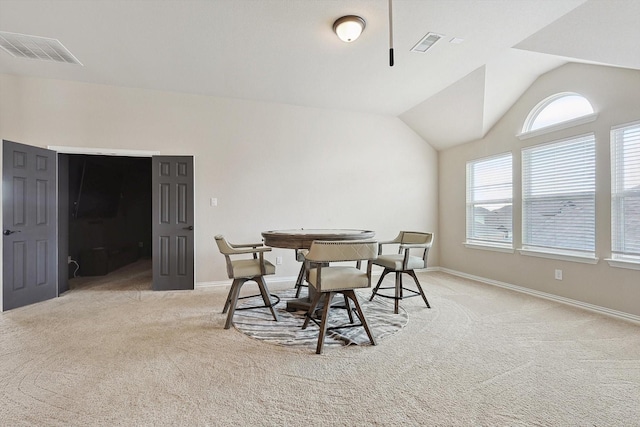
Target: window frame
527, 132
548, 251
620, 258
472, 240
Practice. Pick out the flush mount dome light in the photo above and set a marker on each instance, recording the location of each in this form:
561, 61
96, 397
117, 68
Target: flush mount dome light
348, 28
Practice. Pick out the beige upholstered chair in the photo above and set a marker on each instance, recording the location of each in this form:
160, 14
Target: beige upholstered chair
326, 280
404, 262
244, 270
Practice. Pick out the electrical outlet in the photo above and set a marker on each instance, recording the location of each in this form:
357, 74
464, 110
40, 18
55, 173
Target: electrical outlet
69, 259
213, 201
558, 274
278, 260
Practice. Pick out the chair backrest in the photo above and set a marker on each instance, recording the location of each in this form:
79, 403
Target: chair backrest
416, 237
225, 249
224, 246
342, 250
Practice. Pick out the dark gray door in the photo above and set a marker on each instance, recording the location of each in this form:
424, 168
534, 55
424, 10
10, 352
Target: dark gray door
173, 223
29, 221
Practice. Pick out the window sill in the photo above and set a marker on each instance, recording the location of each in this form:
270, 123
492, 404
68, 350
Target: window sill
563, 256
489, 247
553, 128
623, 263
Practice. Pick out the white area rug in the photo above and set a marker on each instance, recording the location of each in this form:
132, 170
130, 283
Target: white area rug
288, 330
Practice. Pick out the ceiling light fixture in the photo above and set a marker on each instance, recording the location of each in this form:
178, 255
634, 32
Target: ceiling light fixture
348, 28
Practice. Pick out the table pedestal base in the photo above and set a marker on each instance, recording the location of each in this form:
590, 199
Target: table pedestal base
299, 304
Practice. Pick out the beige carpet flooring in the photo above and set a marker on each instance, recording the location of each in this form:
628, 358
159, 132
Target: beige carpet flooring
111, 352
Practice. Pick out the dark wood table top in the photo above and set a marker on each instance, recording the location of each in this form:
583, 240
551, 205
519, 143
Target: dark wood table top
302, 238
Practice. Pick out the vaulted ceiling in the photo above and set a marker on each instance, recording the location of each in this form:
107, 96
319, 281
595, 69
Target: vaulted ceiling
284, 51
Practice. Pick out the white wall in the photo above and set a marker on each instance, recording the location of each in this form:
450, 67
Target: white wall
271, 166
614, 94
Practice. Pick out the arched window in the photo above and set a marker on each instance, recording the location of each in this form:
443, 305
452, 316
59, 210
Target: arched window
557, 109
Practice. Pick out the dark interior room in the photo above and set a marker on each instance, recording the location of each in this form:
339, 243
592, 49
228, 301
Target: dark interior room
110, 212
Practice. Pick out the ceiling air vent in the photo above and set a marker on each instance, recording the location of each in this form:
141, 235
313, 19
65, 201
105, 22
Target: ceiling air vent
34, 47
426, 42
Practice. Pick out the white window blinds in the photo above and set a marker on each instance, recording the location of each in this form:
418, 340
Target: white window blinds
558, 196
489, 201
625, 191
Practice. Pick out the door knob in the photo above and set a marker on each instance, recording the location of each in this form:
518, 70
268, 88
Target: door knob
7, 232
190, 228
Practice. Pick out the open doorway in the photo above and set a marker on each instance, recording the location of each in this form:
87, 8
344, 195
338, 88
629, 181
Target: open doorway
109, 210
38, 210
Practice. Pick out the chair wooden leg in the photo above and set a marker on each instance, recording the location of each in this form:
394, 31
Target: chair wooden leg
415, 278
351, 294
375, 290
323, 323
266, 297
300, 280
234, 293
312, 308
396, 302
228, 302
347, 305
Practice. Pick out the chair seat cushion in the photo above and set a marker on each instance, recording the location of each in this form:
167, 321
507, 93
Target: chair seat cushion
250, 268
339, 278
394, 262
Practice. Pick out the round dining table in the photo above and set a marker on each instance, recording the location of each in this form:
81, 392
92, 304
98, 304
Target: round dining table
302, 238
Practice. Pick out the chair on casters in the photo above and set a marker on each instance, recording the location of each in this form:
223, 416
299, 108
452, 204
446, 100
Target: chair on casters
325, 280
244, 270
403, 262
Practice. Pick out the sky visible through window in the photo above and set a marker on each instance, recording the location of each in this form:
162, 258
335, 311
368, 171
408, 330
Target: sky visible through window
563, 108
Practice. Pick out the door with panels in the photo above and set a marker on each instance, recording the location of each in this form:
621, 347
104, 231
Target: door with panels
173, 218
29, 225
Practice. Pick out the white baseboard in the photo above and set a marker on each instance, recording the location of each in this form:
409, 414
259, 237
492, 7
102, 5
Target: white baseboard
551, 297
